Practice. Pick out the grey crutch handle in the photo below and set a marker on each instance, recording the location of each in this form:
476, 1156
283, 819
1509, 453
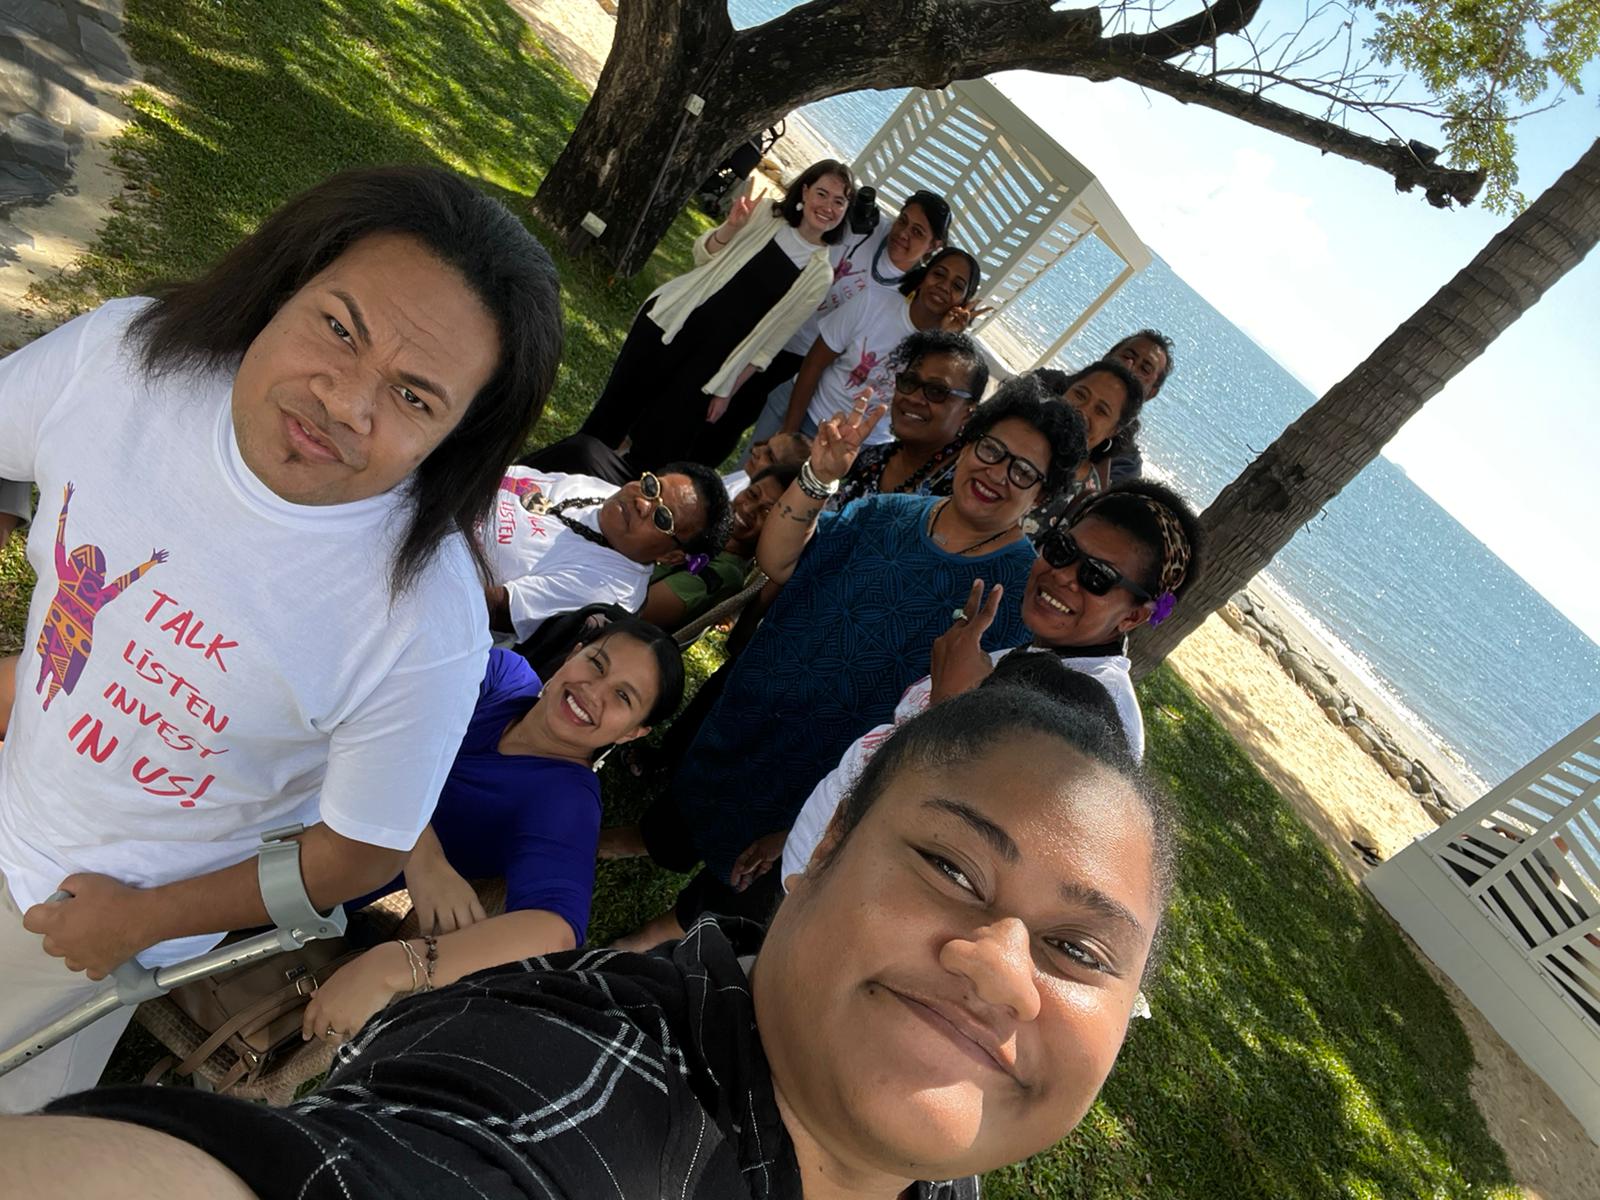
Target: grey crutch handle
296, 919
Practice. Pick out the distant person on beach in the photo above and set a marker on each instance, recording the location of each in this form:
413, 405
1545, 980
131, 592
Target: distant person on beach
863, 263
285, 459
864, 594
856, 344
1109, 398
521, 803
944, 991
938, 378
1149, 355
557, 543
699, 337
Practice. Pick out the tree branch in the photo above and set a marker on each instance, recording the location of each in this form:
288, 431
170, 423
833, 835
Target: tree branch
1442, 185
1182, 37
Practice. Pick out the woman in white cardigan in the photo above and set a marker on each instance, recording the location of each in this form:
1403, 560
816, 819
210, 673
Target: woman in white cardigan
758, 276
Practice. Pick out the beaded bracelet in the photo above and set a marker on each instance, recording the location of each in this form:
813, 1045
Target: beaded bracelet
432, 943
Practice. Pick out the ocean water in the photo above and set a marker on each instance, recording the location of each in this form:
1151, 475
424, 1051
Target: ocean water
1472, 656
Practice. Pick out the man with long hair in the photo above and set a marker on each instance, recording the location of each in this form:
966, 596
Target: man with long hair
297, 447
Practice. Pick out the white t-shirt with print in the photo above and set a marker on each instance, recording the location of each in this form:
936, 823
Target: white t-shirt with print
1112, 672
217, 662
852, 275
864, 335
796, 247
546, 567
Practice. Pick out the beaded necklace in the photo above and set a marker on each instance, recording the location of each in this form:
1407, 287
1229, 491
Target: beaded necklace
539, 506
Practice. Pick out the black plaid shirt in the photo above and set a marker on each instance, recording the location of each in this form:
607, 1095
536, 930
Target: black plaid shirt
587, 1075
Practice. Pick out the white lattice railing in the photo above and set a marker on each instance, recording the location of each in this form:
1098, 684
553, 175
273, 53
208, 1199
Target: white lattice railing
1528, 855
1505, 899
1019, 203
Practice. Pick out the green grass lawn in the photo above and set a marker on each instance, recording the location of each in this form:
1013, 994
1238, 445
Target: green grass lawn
1297, 1048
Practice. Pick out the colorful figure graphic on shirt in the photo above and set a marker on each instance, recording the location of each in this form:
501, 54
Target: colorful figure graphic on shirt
68, 633
526, 491
862, 369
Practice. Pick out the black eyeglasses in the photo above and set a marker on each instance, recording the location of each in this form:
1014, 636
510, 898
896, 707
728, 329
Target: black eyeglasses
1095, 576
993, 451
934, 393
650, 488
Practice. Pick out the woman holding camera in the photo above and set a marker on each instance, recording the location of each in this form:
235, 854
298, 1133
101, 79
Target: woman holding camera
758, 276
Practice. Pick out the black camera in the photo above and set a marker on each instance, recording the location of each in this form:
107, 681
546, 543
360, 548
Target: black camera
863, 215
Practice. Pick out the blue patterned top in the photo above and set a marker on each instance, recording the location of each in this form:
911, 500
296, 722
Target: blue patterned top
852, 628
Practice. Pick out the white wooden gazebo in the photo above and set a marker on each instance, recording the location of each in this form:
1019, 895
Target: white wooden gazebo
1505, 899
1019, 202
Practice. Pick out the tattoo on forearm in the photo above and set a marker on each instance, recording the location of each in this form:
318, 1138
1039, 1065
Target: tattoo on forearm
805, 514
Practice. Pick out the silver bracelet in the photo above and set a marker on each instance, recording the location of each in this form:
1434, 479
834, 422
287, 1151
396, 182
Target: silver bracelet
814, 487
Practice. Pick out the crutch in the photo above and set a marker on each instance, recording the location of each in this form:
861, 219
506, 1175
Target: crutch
296, 919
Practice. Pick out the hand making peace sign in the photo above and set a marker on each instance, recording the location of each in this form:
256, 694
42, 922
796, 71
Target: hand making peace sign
839, 438
959, 661
744, 204
959, 317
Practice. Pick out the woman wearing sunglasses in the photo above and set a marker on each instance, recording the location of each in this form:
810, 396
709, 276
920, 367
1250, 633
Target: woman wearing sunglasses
864, 593
1126, 557
938, 379
556, 543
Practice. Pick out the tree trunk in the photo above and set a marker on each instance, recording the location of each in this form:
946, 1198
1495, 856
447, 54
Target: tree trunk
1256, 515
637, 153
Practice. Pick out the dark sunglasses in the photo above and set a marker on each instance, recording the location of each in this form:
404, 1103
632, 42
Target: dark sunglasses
650, 488
993, 451
934, 393
1095, 576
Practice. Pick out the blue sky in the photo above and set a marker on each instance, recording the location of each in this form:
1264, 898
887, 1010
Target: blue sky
1318, 259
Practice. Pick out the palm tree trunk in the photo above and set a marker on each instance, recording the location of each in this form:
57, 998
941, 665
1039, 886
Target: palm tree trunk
1256, 515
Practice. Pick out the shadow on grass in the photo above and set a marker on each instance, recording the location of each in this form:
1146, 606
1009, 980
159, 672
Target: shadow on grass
251, 103
1297, 1048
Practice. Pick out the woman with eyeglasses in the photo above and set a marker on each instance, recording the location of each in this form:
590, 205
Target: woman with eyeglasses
938, 378
855, 345
521, 803
864, 593
757, 277
556, 543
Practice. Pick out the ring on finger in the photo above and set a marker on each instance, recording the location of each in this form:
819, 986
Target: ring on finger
960, 614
